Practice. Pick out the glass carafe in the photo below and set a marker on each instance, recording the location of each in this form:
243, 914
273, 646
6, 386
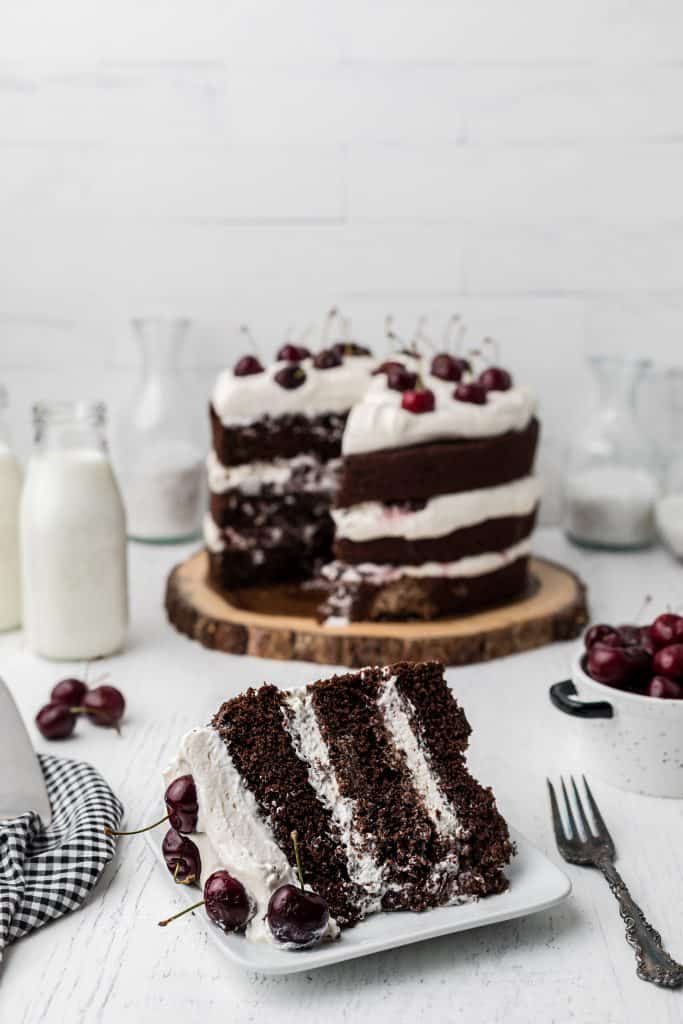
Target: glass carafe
159, 446
611, 484
670, 506
10, 493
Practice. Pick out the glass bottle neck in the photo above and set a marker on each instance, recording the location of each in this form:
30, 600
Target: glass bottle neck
5, 437
618, 379
160, 341
64, 426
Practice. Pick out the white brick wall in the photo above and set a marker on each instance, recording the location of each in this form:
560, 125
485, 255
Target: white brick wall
252, 160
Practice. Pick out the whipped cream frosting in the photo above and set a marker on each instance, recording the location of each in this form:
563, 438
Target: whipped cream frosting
440, 516
213, 537
472, 565
242, 400
395, 713
252, 477
309, 745
378, 421
231, 831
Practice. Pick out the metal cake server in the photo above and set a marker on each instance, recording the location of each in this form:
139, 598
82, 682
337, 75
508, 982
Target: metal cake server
22, 786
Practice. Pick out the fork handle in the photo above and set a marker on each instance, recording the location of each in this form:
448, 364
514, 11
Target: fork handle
654, 963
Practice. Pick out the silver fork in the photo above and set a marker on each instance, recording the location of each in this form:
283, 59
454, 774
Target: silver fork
596, 849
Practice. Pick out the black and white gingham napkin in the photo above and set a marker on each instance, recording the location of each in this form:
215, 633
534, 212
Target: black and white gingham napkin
46, 873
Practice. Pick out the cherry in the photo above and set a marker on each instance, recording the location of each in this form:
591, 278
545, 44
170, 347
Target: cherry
448, 367
181, 807
181, 803
401, 379
390, 364
613, 639
418, 401
660, 686
226, 902
494, 378
630, 635
596, 633
182, 858
646, 641
105, 705
621, 667
350, 348
326, 359
474, 393
296, 915
663, 629
69, 692
668, 661
293, 353
247, 366
55, 721
290, 377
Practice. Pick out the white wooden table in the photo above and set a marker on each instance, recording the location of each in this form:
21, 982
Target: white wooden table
110, 962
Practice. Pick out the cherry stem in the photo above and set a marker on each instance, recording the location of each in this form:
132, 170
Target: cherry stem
249, 336
162, 924
641, 611
135, 832
182, 881
329, 320
295, 840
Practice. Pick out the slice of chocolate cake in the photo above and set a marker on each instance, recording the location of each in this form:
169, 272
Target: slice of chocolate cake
437, 500
369, 769
275, 460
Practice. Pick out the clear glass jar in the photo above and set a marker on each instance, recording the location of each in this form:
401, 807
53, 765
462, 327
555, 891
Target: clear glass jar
159, 443
10, 494
669, 512
73, 537
611, 484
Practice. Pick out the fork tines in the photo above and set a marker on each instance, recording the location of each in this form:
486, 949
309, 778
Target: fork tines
593, 835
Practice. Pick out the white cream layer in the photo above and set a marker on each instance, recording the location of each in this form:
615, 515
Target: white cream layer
231, 831
379, 422
474, 565
440, 516
310, 747
240, 400
251, 477
213, 537
395, 715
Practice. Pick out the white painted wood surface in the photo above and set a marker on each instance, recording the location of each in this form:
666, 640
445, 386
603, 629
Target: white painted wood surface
110, 963
258, 161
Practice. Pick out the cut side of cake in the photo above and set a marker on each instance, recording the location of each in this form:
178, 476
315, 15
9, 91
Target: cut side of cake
435, 507
273, 468
369, 769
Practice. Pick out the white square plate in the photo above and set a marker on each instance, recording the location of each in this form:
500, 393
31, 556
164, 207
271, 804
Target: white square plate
535, 884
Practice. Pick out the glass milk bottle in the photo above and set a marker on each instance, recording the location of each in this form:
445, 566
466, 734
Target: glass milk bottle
612, 479
73, 537
10, 494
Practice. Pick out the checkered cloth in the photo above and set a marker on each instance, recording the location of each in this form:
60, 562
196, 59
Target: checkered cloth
46, 872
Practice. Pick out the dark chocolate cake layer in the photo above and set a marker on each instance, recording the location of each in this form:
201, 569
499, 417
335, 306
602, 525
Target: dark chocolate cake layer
423, 597
371, 773
253, 728
443, 729
269, 438
491, 535
239, 510
448, 467
253, 557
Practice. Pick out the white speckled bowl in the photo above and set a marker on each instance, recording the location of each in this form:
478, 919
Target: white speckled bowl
638, 748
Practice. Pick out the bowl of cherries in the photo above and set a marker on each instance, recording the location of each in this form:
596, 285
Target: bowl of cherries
627, 687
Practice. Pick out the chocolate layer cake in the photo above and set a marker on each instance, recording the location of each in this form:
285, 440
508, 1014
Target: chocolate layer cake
274, 465
369, 769
437, 500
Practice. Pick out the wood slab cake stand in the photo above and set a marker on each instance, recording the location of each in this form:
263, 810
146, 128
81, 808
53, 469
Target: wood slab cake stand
279, 622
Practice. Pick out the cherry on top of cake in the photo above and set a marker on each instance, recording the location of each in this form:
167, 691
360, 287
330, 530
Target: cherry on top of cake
297, 382
416, 398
